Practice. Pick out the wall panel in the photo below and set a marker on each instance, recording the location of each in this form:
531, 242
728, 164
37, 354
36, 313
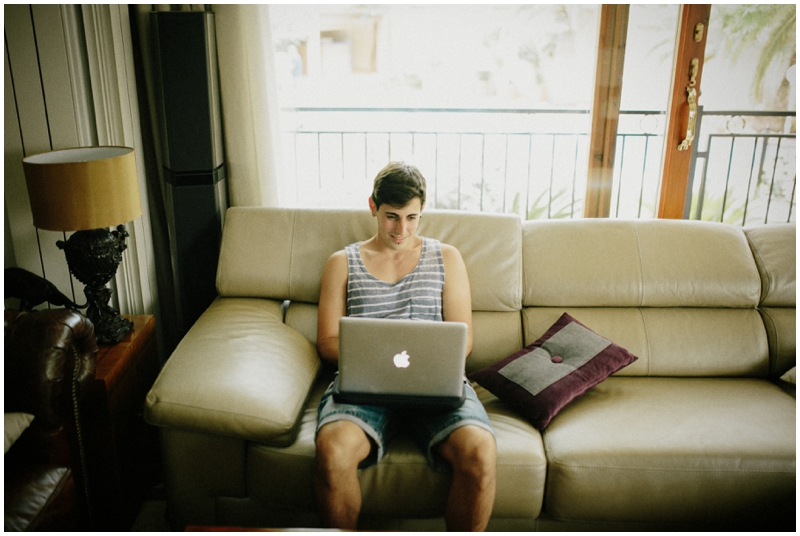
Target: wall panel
39, 116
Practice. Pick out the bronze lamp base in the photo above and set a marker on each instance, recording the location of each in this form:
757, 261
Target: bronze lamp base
93, 257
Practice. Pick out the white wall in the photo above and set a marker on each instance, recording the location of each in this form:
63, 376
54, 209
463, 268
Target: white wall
70, 82
40, 115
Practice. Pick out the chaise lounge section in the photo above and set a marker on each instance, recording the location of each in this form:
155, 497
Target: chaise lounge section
698, 432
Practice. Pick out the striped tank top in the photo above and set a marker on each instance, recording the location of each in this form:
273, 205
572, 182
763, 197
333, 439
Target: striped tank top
417, 296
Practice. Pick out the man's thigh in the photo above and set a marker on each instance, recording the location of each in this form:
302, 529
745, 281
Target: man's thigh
430, 428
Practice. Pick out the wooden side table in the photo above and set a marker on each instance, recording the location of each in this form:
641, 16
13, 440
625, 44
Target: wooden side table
122, 450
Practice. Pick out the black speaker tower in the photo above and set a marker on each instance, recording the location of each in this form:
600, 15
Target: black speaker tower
187, 88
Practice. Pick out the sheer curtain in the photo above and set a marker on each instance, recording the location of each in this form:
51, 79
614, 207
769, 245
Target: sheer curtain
249, 103
112, 91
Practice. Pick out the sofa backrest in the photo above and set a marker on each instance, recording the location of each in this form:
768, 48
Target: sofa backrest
280, 254
774, 250
686, 297
681, 295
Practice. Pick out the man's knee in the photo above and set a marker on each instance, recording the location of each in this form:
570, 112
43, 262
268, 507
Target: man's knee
471, 449
342, 443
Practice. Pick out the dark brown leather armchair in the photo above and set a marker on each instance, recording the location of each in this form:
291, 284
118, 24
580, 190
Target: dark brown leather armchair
49, 363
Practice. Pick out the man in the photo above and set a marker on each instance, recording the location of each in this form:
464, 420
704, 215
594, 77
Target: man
398, 274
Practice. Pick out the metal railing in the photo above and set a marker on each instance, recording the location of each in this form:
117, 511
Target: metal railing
743, 177
526, 161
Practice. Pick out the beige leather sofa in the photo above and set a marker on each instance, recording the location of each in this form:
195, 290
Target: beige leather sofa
697, 433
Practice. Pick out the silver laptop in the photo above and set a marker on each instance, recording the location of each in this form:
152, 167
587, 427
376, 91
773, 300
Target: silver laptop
401, 362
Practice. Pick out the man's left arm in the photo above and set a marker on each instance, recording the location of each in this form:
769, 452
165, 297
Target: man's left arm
456, 297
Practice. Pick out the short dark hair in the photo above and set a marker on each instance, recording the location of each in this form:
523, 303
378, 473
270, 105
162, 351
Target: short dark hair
397, 184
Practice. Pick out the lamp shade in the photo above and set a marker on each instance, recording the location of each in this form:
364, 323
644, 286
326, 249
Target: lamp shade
83, 188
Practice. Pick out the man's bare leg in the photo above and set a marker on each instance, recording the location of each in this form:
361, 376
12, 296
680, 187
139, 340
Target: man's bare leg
341, 446
472, 452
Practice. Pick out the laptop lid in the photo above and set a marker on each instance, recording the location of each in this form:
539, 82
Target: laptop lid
401, 362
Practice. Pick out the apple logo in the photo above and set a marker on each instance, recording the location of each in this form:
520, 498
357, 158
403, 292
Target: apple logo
401, 360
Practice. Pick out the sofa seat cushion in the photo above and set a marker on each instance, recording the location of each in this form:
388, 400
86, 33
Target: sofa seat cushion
672, 450
230, 375
402, 484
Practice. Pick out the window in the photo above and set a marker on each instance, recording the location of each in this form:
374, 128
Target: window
492, 103
745, 172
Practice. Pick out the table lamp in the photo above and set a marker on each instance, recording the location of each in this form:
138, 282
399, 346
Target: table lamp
88, 190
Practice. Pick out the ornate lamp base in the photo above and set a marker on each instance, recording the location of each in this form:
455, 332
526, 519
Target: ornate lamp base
93, 257
109, 326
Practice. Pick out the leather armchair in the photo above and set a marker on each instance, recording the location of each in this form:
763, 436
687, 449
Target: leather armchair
49, 363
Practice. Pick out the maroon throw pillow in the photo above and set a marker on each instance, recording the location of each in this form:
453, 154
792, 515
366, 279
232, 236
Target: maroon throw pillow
542, 378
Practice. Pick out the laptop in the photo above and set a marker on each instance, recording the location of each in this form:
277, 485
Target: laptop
405, 363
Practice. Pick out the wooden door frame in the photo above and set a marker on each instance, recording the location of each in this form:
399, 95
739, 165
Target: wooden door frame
675, 162
612, 40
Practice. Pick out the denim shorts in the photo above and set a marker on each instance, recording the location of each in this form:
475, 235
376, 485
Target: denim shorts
427, 426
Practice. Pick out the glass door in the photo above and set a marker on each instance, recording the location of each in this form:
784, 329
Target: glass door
744, 168
632, 91
682, 115
729, 153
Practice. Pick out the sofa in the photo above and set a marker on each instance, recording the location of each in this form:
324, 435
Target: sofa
49, 363
698, 432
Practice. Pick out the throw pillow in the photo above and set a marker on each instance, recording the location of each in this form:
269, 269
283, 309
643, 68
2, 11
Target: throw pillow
15, 424
542, 378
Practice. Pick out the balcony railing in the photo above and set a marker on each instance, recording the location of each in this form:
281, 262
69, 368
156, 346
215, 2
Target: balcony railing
534, 162
744, 177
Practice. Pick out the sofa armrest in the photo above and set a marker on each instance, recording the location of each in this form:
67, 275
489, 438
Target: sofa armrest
238, 372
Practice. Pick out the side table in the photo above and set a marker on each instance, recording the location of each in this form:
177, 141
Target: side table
122, 451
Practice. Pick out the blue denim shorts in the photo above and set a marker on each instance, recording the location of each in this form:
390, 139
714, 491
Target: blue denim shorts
427, 426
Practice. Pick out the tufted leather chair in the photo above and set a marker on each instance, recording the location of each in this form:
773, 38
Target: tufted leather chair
49, 363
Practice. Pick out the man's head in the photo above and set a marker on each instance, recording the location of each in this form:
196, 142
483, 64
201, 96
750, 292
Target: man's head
397, 184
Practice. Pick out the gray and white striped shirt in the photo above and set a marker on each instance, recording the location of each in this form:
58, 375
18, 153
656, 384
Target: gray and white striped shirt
417, 296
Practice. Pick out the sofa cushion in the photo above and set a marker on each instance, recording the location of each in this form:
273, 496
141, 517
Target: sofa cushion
413, 489
39, 497
230, 375
268, 253
775, 254
672, 341
497, 334
494, 265
562, 364
673, 450
781, 326
642, 263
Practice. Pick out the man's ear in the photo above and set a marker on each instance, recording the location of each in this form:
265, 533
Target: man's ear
372, 206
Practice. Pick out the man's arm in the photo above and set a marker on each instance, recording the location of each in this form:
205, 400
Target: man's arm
456, 297
332, 305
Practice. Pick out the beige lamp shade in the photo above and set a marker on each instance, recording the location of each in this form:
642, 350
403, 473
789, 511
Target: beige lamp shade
84, 188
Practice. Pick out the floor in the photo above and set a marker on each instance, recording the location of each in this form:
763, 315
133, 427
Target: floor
152, 515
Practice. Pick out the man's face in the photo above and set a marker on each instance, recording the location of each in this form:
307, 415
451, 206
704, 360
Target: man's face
397, 224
